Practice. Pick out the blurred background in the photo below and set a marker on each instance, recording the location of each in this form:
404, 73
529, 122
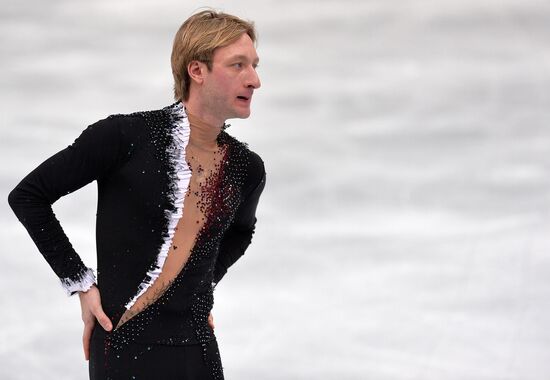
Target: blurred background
403, 232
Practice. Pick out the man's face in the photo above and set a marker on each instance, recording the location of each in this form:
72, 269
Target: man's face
227, 89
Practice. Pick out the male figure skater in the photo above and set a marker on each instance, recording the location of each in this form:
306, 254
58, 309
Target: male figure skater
177, 198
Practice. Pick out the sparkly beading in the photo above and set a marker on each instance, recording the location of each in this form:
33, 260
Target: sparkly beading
182, 175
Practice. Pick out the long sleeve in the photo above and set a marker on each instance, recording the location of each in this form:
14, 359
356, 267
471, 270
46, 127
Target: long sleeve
93, 155
239, 234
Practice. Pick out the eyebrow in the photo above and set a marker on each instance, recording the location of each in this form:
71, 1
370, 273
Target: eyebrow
244, 58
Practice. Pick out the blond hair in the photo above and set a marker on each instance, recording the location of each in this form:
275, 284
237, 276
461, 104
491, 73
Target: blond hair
196, 40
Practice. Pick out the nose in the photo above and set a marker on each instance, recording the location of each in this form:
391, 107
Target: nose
253, 80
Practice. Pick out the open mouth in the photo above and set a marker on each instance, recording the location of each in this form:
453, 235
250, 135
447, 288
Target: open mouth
242, 97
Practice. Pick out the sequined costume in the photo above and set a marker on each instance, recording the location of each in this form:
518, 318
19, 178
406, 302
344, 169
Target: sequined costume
172, 217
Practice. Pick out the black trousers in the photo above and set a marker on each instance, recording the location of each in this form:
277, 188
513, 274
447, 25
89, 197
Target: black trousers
138, 361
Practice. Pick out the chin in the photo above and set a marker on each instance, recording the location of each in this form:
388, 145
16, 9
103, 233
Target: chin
241, 114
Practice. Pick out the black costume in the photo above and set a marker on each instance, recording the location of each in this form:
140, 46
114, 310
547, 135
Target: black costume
160, 209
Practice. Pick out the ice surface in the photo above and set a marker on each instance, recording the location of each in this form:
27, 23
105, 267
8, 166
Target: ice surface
404, 229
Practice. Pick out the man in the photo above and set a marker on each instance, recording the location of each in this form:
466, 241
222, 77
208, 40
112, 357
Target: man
177, 198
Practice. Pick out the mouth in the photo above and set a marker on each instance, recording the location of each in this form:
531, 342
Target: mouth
244, 98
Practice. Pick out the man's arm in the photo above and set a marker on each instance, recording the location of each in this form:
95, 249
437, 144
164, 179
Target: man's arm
239, 235
92, 155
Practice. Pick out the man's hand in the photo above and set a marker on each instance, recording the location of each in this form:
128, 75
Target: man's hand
211, 320
90, 303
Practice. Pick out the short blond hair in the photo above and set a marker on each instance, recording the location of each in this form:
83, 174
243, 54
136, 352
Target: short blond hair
196, 40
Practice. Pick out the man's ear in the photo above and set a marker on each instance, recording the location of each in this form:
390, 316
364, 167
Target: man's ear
196, 71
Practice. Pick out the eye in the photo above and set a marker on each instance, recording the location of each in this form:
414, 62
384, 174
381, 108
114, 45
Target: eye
238, 65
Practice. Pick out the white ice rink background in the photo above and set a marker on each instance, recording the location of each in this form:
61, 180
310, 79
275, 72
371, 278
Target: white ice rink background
404, 232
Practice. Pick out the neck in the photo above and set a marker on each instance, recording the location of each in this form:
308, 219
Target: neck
204, 129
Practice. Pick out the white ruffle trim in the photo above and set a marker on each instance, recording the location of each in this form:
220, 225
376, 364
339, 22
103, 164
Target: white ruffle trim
181, 132
82, 283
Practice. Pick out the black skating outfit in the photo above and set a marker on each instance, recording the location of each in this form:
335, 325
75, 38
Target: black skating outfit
172, 217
